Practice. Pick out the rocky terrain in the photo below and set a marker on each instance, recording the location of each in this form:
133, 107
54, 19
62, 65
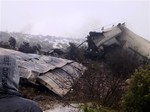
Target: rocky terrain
46, 42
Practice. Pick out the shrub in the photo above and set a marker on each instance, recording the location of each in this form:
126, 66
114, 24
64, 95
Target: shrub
74, 53
137, 96
97, 109
98, 86
4, 45
12, 42
27, 48
123, 62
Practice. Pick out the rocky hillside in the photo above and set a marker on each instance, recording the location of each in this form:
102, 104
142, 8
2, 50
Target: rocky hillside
46, 42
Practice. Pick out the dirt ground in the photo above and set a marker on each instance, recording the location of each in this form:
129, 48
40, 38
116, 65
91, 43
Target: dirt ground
40, 94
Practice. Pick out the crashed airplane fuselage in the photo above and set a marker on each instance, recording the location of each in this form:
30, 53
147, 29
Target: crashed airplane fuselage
123, 37
57, 74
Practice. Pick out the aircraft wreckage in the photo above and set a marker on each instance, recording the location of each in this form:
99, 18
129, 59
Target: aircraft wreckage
57, 74
118, 35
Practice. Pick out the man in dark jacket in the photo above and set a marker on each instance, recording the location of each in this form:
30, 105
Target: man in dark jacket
10, 99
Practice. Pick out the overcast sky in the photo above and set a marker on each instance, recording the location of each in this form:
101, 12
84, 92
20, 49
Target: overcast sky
74, 18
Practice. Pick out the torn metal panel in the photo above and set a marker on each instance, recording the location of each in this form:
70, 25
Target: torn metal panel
52, 82
135, 42
112, 41
28, 74
34, 62
61, 80
107, 36
56, 74
43, 63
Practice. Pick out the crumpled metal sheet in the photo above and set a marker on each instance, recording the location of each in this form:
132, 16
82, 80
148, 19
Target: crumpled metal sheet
56, 74
107, 36
33, 63
62, 79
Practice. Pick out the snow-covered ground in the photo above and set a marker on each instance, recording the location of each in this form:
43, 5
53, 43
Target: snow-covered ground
67, 108
44, 41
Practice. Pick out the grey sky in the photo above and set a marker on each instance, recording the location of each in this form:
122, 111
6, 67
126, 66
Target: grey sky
74, 18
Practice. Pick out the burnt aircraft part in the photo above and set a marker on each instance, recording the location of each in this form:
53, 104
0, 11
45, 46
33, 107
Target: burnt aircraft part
135, 42
56, 74
120, 35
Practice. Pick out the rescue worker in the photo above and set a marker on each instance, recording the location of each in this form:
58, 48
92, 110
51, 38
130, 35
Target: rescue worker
10, 99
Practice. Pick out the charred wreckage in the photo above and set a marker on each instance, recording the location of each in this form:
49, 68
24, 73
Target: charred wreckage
117, 36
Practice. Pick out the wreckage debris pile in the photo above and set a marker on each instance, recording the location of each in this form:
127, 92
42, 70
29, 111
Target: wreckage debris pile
102, 82
102, 76
57, 74
105, 77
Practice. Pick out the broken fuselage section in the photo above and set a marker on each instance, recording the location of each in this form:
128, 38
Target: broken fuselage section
120, 36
